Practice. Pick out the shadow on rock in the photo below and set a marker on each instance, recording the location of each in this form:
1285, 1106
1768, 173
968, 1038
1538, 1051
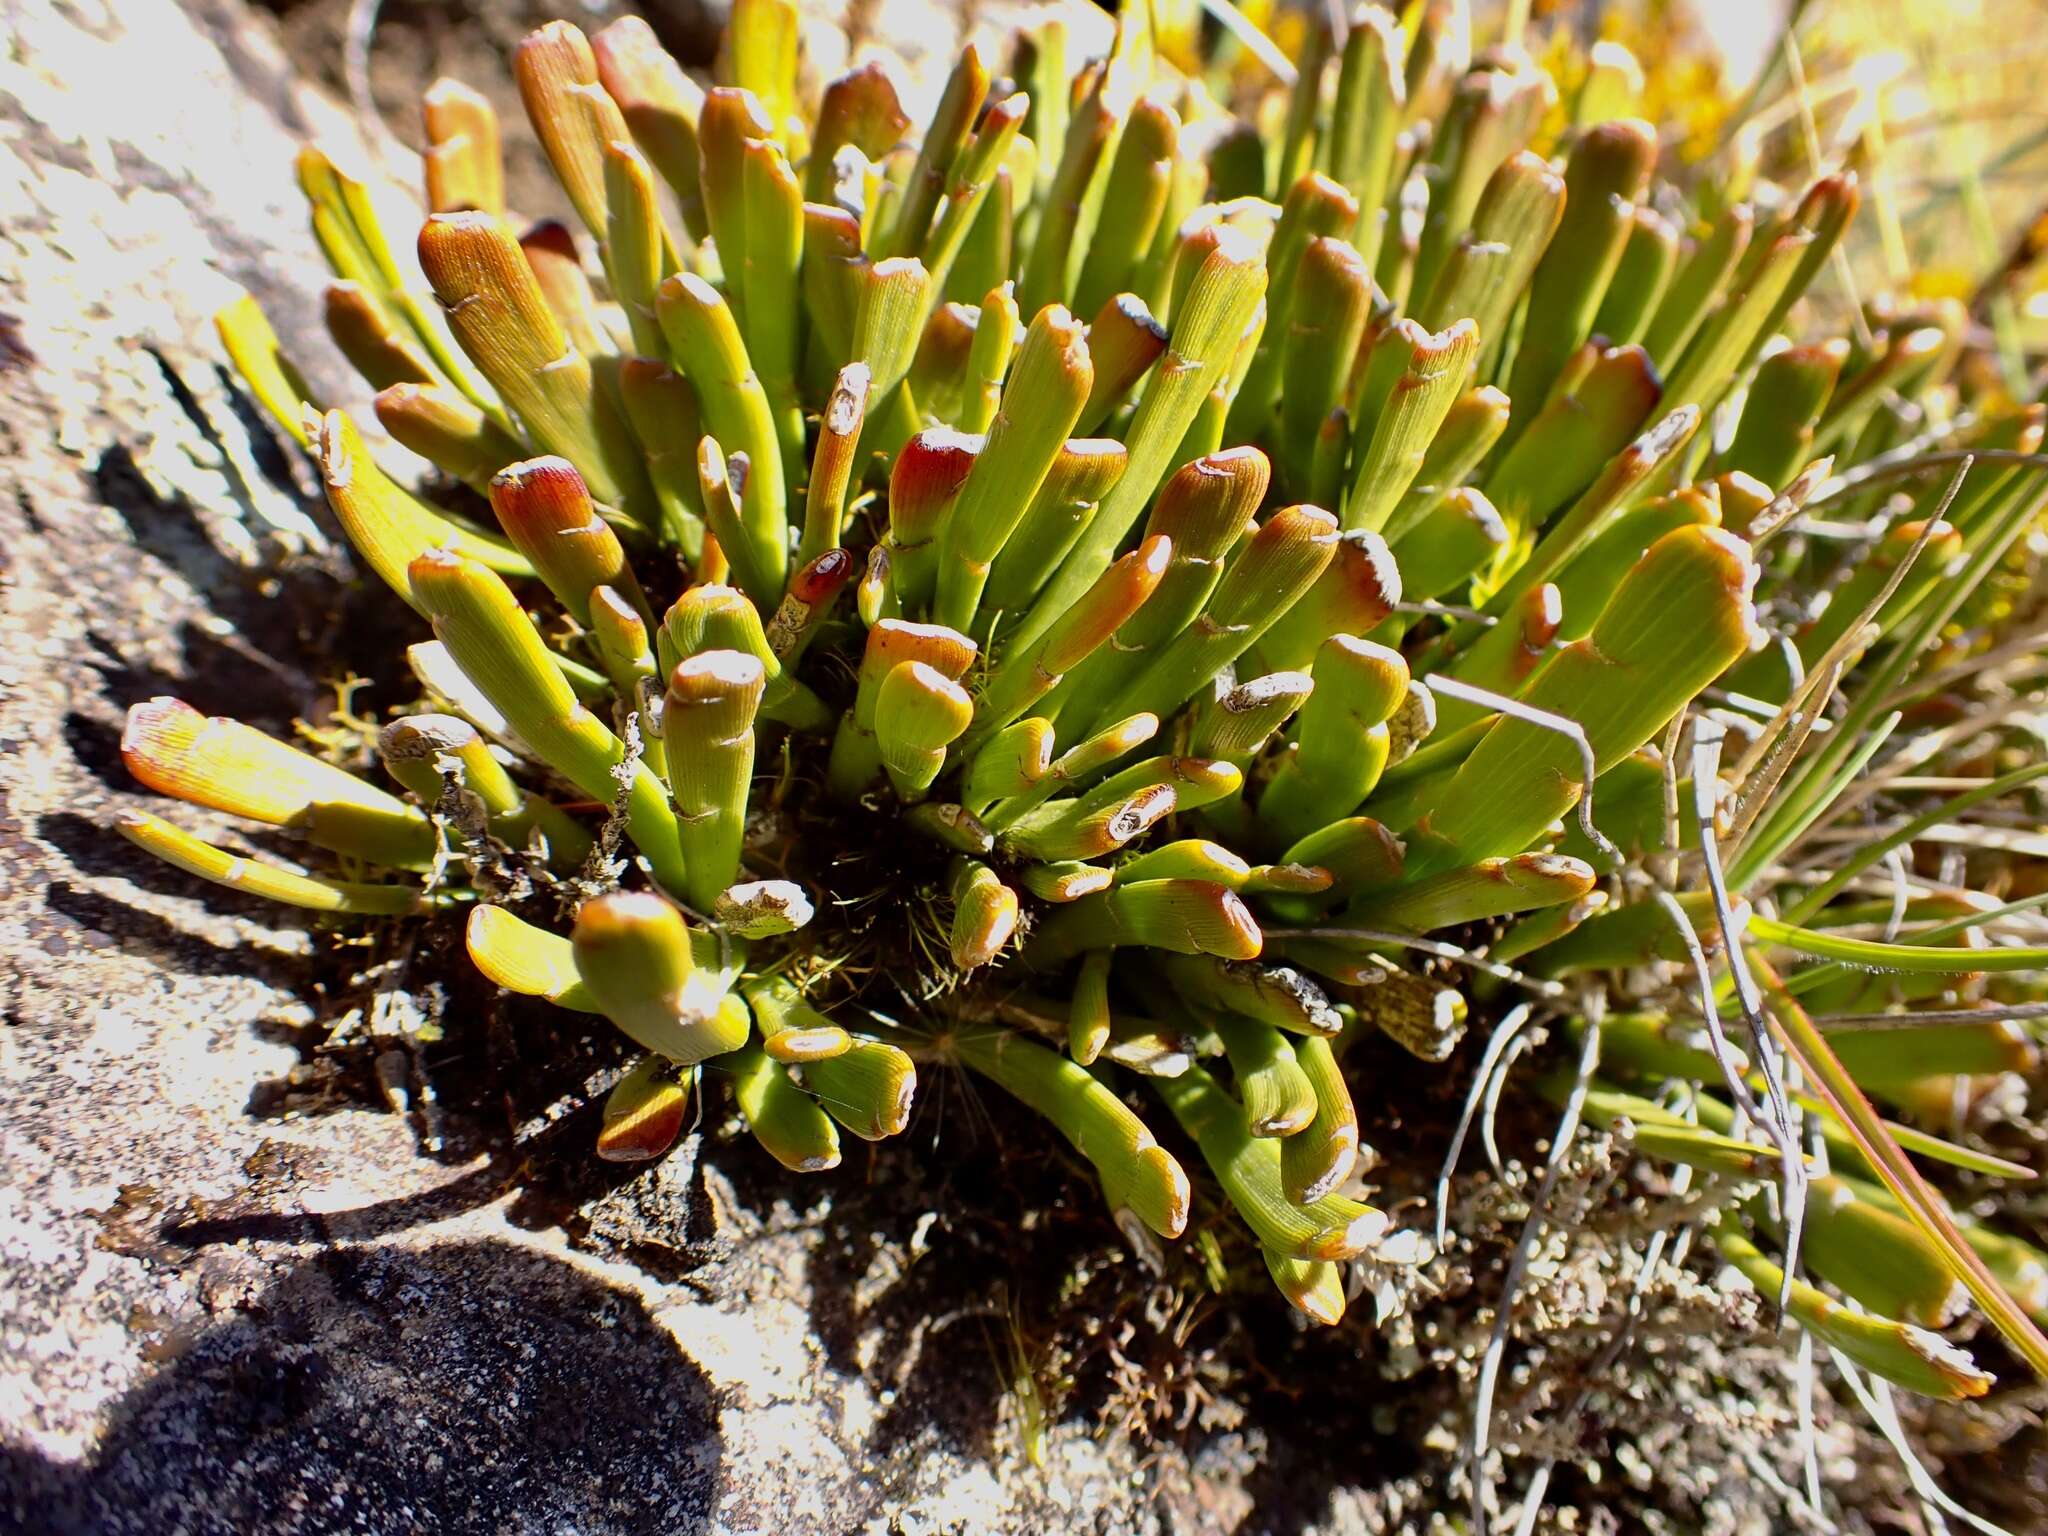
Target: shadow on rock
463, 1387
105, 921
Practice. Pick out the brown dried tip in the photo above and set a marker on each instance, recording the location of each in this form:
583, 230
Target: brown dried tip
897, 640
1735, 561
947, 343
227, 766
1308, 1285
658, 100
1537, 617
1830, 202
571, 114
637, 70
861, 108
160, 742
1128, 310
849, 399
1118, 593
546, 510
1357, 589
1662, 439
1742, 497
360, 328
543, 495
1362, 583
1123, 342
1350, 1238
795, 1046
464, 254
1429, 354
927, 476
718, 678
1209, 501
551, 239
824, 578
985, 919
643, 1117
1227, 928
550, 249
462, 160
1618, 384
1290, 879
1423, 1018
1138, 815
1621, 153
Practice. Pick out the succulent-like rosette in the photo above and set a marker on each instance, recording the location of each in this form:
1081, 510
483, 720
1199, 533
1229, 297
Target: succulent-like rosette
1258, 591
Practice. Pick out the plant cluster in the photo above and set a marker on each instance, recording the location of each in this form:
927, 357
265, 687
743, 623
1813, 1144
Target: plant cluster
1189, 559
